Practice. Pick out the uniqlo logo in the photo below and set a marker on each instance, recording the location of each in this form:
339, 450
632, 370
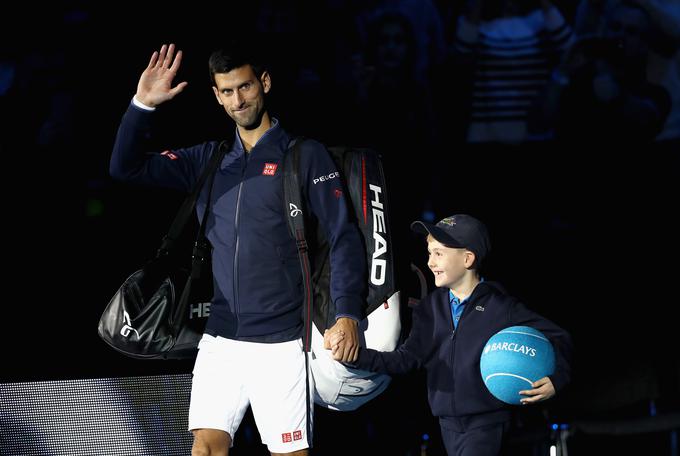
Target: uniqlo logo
269, 169
170, 155
286, 437
297, 435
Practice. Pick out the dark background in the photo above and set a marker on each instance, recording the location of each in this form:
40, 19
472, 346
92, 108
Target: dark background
586, 237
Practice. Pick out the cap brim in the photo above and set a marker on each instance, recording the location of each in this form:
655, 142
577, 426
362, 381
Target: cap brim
437, 233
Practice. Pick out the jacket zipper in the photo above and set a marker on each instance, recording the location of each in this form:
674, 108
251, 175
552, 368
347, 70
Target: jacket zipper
236, 222
453, 349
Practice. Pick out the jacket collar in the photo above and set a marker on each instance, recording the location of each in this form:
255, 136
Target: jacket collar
270, 137
482, 289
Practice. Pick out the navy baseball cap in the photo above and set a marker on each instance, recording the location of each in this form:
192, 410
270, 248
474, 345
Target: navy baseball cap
458, 231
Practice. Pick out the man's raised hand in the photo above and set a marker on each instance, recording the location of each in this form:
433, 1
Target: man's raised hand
155, 84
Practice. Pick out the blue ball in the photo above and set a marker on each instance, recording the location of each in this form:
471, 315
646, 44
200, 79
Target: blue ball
513, 359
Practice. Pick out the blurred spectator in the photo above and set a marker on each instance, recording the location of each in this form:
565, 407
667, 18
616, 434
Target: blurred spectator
513, 45
590, 17
663, 64
663, 39
601, 93
426, 23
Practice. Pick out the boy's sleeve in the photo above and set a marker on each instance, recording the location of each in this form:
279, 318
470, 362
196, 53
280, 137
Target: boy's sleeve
407, 357
559, 338
323, 189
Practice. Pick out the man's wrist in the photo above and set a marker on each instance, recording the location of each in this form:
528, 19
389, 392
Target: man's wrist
139, 104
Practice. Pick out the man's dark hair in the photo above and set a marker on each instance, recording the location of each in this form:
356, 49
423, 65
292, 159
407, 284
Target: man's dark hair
236, 54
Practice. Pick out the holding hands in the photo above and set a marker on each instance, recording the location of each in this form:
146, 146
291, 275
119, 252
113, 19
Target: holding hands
343, 340
542, 389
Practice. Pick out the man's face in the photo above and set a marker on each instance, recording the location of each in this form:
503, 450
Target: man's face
241, 93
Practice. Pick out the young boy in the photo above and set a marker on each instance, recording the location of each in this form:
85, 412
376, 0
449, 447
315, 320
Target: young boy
450, 328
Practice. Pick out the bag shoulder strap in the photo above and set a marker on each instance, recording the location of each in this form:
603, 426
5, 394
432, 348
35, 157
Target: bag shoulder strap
186, 210
296, 211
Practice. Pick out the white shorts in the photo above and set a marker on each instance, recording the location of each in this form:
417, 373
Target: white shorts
229, 375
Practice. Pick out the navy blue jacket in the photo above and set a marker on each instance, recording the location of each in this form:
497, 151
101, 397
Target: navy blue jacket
451, 358
258, 279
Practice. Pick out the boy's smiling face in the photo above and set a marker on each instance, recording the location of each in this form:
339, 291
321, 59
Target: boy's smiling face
448, 264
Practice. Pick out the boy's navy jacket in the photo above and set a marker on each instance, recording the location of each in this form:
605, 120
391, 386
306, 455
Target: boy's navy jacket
258, 279
451, 358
